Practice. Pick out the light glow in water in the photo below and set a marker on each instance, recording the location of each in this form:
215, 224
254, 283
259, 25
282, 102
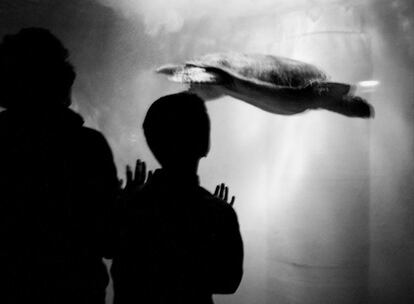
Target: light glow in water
368, 83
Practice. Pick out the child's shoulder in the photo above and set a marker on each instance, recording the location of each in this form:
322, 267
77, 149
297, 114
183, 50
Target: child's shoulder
213, 202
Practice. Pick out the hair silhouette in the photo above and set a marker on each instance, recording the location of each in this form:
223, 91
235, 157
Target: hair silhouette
177, 127
34, 67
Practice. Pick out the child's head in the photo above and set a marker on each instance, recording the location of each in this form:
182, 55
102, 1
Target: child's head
177, 129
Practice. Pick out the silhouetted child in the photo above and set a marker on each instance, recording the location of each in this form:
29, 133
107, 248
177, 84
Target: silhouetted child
57, 180
179, 243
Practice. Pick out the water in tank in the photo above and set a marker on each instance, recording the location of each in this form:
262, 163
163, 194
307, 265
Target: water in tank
325, 202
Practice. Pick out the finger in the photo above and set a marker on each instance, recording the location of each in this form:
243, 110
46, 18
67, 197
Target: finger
226, 193
233, 199
216, 192
143, 173
150, 174
137, 168
221, 195
120, 183
129, 177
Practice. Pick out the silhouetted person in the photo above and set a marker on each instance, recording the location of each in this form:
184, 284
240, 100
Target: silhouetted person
57, 180
179, 243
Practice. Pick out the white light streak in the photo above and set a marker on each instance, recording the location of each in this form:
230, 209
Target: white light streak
368, 83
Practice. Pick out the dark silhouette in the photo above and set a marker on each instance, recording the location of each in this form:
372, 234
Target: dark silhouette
179, 243
57, 180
